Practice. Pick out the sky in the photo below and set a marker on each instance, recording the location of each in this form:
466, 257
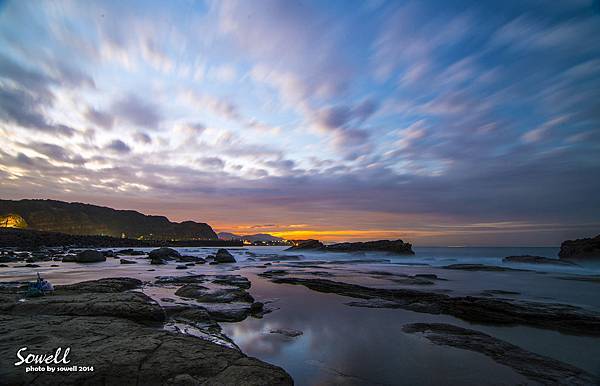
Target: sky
438, 122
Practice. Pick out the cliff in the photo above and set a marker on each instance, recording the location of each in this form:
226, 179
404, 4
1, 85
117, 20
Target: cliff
85, 219
580, 248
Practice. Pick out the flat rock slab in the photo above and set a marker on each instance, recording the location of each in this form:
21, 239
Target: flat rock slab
123, 352
536, 367
120, 334
529, 259
480, 267
559, 317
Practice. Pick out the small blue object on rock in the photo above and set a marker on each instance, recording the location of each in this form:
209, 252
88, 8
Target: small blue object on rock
39, 288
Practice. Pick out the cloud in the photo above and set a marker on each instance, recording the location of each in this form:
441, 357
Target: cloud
141, 137
23, 109
99, 118
142, 113
212, 162
118, 146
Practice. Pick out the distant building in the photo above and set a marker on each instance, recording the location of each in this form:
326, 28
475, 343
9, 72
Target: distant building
12, 220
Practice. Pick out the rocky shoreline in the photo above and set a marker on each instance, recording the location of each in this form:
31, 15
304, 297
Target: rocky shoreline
397, 247
119, 331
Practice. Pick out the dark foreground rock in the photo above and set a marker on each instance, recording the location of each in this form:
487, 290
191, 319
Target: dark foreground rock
580, 249
528, 259
218, 295
398, 247
87, 256
163, 253
120, 334
535, 367
559, 317
223, 256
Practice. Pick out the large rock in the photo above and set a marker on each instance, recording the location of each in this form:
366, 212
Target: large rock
163, 253
528, 259
307, 245
223, 256
538, 368
398, 247
580, 249
219, 295
87, 256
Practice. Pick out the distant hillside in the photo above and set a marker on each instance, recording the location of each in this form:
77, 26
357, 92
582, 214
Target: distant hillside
251, 238
84, 219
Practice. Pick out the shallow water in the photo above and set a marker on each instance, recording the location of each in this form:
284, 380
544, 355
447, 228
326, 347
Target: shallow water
357, 346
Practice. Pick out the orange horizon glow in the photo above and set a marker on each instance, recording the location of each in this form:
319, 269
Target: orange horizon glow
337, 234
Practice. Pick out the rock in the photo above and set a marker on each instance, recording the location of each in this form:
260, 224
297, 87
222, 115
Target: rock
130, 252
535, 367
580, 249
3, 266
125, 261
182, 279
498, 292
190, 259
104, 297
274, 273
112, 284
219, 295
559, 317
588, 278
109, 253
232, 280
236, 312
307, 245
163, 253
223, 256
181, 266
157, 261
287, 332
104, 328
281, 258
390, 246
257, 307
528, 259
27, 266
87, 256
480, 267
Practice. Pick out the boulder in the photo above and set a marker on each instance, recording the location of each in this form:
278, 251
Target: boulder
223, 256
398, 247
163, 253
87, 256
130, 252
219, 295
125, 261
580, 249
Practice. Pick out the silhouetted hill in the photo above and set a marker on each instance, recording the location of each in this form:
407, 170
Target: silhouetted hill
85, 219
256, 237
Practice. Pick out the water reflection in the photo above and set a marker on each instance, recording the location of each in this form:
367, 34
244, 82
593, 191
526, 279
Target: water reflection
348, 345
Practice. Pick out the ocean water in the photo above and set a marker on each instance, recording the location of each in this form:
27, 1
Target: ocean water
343, 345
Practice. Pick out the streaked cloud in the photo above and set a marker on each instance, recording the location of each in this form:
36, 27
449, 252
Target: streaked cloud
345, 120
